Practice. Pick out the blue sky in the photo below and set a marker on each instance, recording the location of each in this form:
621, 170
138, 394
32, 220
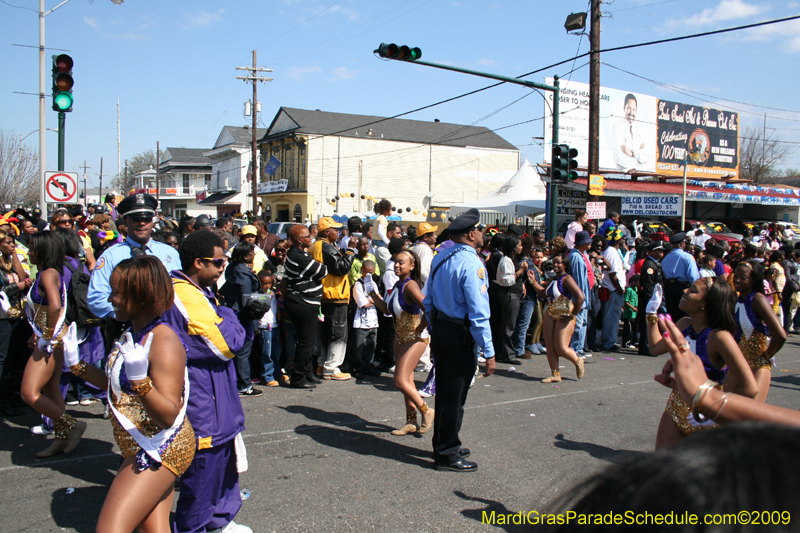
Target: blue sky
172, 64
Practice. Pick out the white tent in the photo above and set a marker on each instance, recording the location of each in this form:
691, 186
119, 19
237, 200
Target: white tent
524, 194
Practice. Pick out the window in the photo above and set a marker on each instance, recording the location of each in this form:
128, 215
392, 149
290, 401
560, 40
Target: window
208, 180
298, 213
186, 183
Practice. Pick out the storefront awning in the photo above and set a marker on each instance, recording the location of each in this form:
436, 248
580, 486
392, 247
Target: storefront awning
218, 198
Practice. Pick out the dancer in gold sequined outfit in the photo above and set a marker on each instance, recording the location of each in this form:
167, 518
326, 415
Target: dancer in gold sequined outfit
760, 330
411, 337
709, 329
148, 390
46, 311
564, 297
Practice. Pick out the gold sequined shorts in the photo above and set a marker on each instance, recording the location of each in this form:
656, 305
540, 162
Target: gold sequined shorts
405, 327
678, 411
40, 317
754, 349
560, 307
179, 453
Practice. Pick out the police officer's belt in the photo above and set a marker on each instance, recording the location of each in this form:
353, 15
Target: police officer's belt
446, 318
678, 282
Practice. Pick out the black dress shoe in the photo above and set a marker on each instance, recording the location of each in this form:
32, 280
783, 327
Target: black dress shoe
372, 371
510, 361
311, 378
303, 386
464, 453
462, 465
7, 410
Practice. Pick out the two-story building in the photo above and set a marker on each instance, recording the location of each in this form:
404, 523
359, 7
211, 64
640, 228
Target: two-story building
335, 162
228, 192
184, 176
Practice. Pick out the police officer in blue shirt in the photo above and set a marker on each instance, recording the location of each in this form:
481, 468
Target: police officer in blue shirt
137, 212
680, 271
457, 307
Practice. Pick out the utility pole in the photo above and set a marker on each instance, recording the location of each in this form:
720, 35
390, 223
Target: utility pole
119, 164
158, 174
254, 78
85, 198
594, 89
125, 183
101, 180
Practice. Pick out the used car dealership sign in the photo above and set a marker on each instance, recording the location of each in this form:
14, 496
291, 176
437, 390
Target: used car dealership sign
656, 206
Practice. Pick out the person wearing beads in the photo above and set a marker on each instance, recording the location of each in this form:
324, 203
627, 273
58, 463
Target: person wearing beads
46, 308
405, 303
709, 327
148, 389
760, 333
566, 299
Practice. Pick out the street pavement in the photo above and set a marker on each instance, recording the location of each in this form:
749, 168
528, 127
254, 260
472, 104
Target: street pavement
325, 460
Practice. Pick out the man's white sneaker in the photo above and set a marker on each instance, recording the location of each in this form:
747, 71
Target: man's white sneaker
534, 349
41, 430
481, 359
233, 527
542, 349
424, 394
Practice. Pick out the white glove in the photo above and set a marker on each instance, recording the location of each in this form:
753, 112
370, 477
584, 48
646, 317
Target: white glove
135, 356
70, 344
655, 301
45, 346
5, 304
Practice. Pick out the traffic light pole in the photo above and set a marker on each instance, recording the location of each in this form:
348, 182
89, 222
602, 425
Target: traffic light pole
553, 189
62, 120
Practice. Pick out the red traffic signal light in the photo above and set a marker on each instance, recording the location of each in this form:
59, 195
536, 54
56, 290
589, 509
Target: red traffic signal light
402, 53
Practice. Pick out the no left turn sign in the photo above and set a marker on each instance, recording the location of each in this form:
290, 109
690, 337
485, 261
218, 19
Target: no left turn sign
61, 187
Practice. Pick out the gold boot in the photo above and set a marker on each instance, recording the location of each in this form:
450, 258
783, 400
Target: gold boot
580, 369
427, 417
62, 429
554, 378
411, 424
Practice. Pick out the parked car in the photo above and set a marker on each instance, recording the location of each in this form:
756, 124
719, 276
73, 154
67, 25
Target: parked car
655, 230
720, 229
281, 229
708, 229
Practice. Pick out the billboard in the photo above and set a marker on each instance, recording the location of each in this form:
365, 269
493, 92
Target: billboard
639, 132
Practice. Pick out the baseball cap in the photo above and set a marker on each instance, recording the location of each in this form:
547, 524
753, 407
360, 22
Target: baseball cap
424, 228
326, 223
249, 230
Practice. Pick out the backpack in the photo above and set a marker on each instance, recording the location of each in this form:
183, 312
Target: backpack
78, 298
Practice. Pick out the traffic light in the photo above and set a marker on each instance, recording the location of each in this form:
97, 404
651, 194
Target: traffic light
402, 53
572, 164
62, 83
559, 163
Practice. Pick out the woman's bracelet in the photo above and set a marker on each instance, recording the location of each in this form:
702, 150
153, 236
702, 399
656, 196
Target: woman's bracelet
652, 319
724, 399
79, 368
698, 397
143, 388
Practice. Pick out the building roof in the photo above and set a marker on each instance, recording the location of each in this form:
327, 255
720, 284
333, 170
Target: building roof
186, 156
237, 135
293, 121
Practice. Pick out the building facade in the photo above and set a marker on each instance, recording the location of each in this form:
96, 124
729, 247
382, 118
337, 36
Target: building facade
333, 163
229, 190
184, 176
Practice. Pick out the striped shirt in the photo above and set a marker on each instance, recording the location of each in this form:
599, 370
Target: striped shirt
304, 275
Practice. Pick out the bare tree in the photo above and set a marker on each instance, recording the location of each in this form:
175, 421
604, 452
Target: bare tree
138, 163
760, 156
19, 171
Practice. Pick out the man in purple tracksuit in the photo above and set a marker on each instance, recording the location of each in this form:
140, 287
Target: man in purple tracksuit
209, 494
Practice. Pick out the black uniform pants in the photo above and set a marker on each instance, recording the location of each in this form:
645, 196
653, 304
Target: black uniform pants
673, 292
455, 367
305, 317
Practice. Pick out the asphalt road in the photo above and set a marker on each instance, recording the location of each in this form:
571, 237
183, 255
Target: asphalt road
325, 460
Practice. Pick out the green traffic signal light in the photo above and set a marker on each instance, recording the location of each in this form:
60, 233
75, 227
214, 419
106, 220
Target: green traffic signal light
572, 164
62, 83
402, 53
559, 163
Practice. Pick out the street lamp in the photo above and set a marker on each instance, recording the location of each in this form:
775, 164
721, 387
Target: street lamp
42, 127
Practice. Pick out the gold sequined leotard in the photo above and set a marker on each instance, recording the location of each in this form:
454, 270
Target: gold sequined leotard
754, 335
560, 300
175, 446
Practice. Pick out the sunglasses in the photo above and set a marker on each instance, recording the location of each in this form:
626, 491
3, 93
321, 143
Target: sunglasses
219, 263
65, 221
141, 219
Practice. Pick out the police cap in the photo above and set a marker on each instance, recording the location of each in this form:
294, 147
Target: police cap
514, 229
465, 222
656, 245
138, 205
678, 237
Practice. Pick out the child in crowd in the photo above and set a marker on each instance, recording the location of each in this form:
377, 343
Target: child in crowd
267, 335
707, 265
365, 323
629, 313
